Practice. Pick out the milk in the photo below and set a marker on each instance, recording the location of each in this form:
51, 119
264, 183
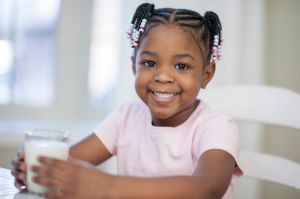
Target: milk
34, 149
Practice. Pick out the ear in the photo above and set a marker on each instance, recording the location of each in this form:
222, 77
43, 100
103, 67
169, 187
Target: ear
208, 74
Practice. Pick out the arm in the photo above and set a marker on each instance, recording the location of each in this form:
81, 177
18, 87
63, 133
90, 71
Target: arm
90, 149
210, 180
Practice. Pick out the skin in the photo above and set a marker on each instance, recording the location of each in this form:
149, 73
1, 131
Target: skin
168, 62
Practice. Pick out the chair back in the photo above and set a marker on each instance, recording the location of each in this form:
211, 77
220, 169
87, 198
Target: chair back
267, 105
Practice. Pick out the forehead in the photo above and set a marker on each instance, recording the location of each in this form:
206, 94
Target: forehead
169, 39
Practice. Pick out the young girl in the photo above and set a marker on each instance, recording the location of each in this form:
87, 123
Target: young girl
171, 145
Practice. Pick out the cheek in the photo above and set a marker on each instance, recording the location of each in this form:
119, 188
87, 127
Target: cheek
141, 81
191, 83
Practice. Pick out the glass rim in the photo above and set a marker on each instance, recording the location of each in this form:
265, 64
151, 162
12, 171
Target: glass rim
50, 134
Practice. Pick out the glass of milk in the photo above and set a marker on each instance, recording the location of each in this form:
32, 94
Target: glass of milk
50, 143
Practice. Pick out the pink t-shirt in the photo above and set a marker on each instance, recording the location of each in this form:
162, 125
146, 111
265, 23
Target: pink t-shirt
148, 151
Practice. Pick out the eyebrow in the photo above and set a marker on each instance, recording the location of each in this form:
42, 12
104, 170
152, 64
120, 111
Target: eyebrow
184, 55
145, 52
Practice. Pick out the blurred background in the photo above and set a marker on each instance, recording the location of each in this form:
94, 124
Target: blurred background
65, 64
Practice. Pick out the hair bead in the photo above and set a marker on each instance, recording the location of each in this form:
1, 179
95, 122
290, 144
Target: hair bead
209, 26
216, 49
138, 23
130, 29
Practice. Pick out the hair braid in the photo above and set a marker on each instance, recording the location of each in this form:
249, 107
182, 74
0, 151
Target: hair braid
205, 30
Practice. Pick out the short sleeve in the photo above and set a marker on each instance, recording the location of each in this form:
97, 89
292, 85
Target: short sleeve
109, 129
223, 134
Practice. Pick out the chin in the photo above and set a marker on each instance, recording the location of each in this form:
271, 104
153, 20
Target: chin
161, 114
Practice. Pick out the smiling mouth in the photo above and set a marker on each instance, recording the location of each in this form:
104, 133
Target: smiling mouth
164, 95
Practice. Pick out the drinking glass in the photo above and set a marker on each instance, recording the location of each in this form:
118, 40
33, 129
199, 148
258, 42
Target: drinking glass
43, 142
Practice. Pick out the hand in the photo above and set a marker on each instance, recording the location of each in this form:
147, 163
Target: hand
19, 169
73, 179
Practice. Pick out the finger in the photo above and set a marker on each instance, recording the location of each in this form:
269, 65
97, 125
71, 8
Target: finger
19, 165
21, 176
54, 177
20, 184
51, 183
76, 162
51, 161
55, 195
15, 162
52, 172
47, 176
71, 158
43, 171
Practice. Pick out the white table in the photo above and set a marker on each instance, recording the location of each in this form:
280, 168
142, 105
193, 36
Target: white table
8, 190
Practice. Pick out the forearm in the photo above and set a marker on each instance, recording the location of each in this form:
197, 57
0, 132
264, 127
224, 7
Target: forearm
164, 187
90, 149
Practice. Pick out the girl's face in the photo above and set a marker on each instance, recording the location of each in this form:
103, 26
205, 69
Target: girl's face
169, 73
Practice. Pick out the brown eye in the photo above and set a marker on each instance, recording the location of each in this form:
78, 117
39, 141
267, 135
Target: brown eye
181, 67
149, 64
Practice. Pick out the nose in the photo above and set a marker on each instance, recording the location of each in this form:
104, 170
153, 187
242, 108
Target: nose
164, 75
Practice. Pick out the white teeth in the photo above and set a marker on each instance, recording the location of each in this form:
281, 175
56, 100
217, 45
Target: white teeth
164, 95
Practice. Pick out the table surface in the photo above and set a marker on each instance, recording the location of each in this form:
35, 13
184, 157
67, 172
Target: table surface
8, 190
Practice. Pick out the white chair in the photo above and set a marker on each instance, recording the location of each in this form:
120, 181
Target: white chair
263, 104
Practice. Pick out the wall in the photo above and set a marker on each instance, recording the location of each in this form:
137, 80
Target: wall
283, 69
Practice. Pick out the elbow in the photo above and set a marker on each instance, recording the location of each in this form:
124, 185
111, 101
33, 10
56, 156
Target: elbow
216, 192
211, 195
211, 192
216, 195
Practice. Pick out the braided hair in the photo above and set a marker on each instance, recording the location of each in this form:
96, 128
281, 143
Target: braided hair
205, 30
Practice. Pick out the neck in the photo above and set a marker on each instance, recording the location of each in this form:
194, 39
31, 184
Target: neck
177, 119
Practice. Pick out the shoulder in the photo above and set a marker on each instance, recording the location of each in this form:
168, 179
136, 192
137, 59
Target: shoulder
213, 126
125, 112
207, 116
132, 109
120, 123
129, 113
215, 130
